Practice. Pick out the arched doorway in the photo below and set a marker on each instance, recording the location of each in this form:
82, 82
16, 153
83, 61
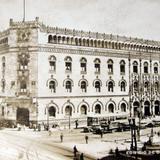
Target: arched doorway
111, 108
68, 111
156, 108
98, 108
23, 116
52, 111
146, 108
83, 110
135, 109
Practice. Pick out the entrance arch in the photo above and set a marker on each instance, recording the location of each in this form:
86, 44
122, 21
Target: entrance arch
156, 108
146, 108
23, 116
135, 108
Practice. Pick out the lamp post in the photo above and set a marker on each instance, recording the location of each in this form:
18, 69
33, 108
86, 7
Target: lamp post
37, 114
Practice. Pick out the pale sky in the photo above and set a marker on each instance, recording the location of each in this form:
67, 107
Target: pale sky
136, 18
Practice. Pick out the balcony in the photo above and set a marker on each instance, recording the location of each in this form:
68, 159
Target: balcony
23, 73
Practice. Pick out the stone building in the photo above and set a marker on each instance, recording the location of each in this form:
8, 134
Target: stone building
51, 74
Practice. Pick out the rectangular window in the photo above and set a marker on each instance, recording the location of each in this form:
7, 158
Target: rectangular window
83, 67
52, 65
145, 69
122, 69
97, 67
110, 68
135, 69
68, 66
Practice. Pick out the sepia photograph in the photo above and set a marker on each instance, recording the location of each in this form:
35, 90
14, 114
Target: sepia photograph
79, 80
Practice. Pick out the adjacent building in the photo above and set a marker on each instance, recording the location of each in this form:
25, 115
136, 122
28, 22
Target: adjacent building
51, 74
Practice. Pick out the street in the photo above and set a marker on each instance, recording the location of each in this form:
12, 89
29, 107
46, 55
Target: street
33, 145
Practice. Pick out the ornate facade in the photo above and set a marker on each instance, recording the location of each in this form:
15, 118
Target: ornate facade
51, 74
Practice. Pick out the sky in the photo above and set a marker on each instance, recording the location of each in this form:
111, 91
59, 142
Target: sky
135, 18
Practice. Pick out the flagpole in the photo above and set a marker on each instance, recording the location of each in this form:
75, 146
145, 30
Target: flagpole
24, 8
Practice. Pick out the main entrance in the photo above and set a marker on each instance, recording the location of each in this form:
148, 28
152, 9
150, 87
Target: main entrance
23, 116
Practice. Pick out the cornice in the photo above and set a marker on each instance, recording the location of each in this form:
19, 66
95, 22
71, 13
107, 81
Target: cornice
96, 52
90, 96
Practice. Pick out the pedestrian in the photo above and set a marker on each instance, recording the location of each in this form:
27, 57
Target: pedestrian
76, 123
61, 137
81, 156
86, 138
101, 133
75, 151
49, 132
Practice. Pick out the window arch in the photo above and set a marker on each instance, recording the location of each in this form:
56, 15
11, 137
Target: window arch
83, 86
136, 86
111, 108
145, 65
122, 67
123, 107
97, 63
123, 86
52, 86
110, 86
49, 38
68, 63
110, 66
97, 85
135, 67
98, 108
83, 110
146, 86
83, 65
155, 68
52, 111
68, 111
68, 85
52, 62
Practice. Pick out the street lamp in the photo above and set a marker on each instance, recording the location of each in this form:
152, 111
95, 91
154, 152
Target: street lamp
133, 134
37, 114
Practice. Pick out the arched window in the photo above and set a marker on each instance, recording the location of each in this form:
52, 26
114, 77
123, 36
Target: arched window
135, 85
122, 67
84, 86
97, 86
110, 66
98, 109
52, 86
145, 67
123, 107
68, 64
68, 86
83, 110
83, 65
155, 68
110, 86
52, 62
146, 86
52, 111
97, 63
23, 86
111, 108
123, 86
55, 39
68, 111
49, 38
156, 86
135, 67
